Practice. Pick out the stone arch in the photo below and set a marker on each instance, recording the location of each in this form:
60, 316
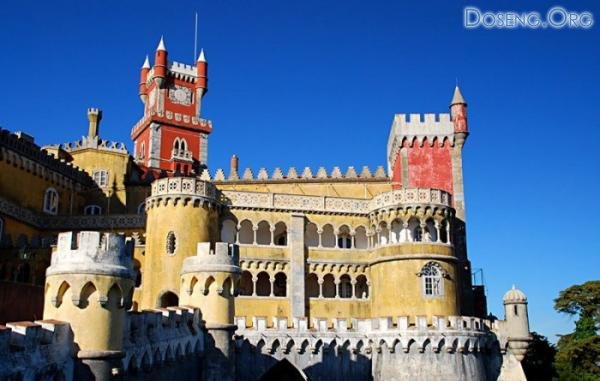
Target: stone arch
396, 230
246, 287
115, 296
361, 288
280, 285
167, 299
329, 286
312, 286
280, 234
208, 283
311, 235
228, 231
226, 289
246, 234
360, 238
284, 370
344, 240
62, 290
384, 233
263, 284
414, 227
263, 234
345, 287
327, 237
87, 291
430, 234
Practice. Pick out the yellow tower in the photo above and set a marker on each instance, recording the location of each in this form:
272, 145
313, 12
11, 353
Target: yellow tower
209, 282
180, 213
89, 284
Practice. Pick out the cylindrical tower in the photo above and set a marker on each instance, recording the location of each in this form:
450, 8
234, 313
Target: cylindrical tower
89, 284
143, 78
181, 211
208, 282
160, 63
517, 322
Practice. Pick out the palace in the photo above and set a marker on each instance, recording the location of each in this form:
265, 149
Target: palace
148, 265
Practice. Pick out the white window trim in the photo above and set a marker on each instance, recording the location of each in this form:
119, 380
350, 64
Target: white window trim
100, 171
47, 208
87, 210
141, 209
437, 292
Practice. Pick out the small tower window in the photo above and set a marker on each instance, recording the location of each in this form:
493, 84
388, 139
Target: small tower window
516, 310
92, 210
141, 209
143, 151
432, 278
171, 243
51, 201
100, 176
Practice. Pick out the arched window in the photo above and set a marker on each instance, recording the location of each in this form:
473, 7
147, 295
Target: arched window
171, 243
384, 233
51, 201
327, 237
414, 227
263, 284
143, 150
360, 238
344, 238
280, 285
312, 286
432, 276
246, 285
311, 236
100, 176
328, 286
263, 234
168, 299
92, 210
280, 234
345, 287
228, 231
141, 208
246, 234
361, 287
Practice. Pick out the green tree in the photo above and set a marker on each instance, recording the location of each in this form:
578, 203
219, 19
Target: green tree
578, 356
538, 363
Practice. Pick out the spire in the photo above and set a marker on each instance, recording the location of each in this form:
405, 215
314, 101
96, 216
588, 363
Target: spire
161, 45
146, 64
201, 57
457, 98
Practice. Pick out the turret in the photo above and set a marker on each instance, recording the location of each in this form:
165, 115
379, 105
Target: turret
517, 322
201, 80
160, 63
181, 211
208, 282
234, 166
90, 285
458, 112
94, 116
143, 78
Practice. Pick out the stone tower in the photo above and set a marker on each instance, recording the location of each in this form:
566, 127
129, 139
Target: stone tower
90, 284
209, 282
171, 136
181, 211
517, 321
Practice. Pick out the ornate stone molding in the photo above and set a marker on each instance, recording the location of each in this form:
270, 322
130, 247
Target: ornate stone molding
185, 189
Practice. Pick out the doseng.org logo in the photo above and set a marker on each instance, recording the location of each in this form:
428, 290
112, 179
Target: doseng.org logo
556, 17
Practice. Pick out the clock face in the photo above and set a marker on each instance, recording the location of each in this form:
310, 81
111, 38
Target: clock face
180, 94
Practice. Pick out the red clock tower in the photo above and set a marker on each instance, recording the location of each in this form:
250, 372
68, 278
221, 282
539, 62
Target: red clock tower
171, 136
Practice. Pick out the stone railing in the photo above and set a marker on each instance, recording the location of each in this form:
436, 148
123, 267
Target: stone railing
189, 186
340, 205
448, 334
36, 350
179, 154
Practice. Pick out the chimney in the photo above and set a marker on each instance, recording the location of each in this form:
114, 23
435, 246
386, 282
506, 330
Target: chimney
234, 164
94, 116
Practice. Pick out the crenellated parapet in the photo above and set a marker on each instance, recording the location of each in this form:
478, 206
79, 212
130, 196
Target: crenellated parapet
187, 190
92, 142
293, 175
90, 252
36, 350
161, 337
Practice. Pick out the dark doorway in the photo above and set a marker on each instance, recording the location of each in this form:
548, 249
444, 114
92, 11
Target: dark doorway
168, 299
283, 371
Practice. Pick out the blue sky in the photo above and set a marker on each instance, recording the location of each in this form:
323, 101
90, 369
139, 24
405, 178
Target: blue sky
311, 83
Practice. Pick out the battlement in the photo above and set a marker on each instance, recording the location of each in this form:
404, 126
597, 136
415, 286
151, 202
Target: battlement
184, 189
92, 142
182, 71
225, 257
29, 348
89, 252
161, 336
93, 111
22, 152
175, 118
292, 175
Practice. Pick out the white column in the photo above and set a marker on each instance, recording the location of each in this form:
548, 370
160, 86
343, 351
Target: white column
272, 229
254, 231
254, 280
320, 233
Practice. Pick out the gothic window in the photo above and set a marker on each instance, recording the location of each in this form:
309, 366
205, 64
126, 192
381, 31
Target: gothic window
51, 201
246, 285
100, 176
171, 243
143, 151
280, 285
92, 210
345, 287
263, 284
141, 209
432, 276
344, 241
312, 286
361, 288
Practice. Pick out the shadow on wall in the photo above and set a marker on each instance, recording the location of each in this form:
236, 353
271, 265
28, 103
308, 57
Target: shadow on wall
300, 361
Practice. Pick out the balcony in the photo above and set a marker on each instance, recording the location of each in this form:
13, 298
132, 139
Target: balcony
181, 155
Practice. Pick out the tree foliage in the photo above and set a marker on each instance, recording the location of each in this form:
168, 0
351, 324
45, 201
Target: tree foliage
538, 362
578, 356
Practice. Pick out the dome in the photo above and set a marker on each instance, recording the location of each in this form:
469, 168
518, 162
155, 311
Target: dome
514, 295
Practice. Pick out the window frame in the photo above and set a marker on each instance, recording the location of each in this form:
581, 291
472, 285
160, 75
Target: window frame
100, 172
51, 196
92, 207
432, 280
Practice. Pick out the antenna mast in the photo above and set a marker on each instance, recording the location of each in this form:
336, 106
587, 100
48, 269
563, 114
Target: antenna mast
195, 38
